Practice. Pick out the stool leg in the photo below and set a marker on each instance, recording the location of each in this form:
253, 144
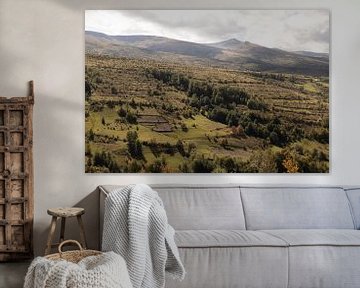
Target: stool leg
82, 232
51, 235
62, 230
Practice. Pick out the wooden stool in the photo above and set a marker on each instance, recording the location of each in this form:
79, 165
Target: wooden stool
64, 213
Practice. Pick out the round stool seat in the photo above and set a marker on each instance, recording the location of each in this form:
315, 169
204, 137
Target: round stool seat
66, 211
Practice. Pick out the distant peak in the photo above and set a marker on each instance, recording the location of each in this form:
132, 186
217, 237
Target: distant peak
232, 41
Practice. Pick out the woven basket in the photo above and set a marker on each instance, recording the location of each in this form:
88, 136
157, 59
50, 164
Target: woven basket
72, 256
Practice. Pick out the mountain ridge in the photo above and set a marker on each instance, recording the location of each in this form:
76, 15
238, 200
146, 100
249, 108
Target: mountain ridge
231, 53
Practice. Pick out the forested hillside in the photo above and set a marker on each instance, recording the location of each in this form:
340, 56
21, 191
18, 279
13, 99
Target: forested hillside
149, 115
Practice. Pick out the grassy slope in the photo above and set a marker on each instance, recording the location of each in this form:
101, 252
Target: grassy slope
304, 101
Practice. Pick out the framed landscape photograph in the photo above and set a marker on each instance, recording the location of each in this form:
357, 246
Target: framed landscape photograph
207, 91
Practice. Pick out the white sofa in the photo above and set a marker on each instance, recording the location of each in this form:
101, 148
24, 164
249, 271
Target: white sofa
264, 237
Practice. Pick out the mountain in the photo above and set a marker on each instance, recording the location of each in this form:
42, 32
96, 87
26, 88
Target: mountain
312, 54
154, 43
273, 59
231, 44
151, 43
232, 53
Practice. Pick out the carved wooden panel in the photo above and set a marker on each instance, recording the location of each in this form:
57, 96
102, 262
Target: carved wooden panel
16, 177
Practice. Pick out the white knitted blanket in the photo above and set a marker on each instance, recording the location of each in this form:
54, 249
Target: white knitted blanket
136, 227
103, 271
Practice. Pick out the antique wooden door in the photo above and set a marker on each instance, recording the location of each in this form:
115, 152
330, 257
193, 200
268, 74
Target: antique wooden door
16, 177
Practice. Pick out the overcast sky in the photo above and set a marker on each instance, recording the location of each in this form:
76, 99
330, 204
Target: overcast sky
290, 30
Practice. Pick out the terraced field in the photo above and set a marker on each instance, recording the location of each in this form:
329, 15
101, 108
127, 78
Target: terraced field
153, 116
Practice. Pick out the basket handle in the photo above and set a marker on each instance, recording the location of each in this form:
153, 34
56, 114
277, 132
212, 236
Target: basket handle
69, 241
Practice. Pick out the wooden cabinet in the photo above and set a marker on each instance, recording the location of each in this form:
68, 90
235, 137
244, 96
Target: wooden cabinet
16, 177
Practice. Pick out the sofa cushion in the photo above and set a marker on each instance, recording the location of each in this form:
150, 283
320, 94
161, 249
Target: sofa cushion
204, 208
225, 267
322, 258
226, 238
191, 207
324, 266
315, 237
296, 208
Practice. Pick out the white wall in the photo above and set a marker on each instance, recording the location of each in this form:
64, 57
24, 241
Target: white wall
43, 40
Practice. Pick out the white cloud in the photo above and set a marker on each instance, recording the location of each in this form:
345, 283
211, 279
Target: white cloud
285, 29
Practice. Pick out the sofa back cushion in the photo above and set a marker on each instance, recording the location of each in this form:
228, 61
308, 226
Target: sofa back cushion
203, 208
354, 198
296, 208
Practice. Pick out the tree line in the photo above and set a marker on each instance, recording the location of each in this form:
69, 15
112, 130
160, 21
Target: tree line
219, 103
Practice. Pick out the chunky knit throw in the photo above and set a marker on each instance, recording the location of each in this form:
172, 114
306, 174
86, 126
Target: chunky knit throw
103, 271
136, 227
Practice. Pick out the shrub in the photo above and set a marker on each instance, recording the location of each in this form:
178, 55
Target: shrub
133, 167
122, 112
256, 104
218, 114
134, 145
104, 159
184, 127
88, 90
114, 90
203, 165
157, 167
180, 147
131, 118
185, 168
91, 135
